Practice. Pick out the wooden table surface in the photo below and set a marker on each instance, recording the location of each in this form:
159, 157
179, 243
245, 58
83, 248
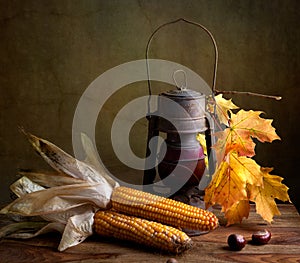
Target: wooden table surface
212, 247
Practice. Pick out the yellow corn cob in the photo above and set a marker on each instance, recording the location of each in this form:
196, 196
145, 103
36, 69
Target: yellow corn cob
142, 231
163, 210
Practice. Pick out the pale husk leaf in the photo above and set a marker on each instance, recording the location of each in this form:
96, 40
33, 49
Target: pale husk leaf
93, 160
24, 186
50, 179
63, 162
78, 228
77, 190
50, 227
60, 198
14, 228
64, 216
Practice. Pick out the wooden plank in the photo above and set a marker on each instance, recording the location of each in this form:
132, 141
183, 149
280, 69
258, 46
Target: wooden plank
212, 247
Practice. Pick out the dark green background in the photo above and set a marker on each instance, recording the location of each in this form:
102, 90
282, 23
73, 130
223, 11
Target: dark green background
50, 51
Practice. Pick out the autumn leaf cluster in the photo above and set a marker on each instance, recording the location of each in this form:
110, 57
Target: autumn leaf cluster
238, 179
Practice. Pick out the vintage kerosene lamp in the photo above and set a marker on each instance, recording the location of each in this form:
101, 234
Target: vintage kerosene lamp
184, 159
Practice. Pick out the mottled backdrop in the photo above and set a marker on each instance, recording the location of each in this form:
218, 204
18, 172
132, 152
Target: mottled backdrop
50, 51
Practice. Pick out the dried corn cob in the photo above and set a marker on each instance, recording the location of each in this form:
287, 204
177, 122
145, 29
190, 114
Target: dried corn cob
142, 231
163, 210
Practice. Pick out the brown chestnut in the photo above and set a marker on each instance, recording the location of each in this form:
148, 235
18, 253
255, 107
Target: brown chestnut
261, 237
172, 260
236, 242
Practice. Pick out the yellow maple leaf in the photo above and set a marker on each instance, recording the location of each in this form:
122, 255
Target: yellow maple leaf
243, 126
237, 212
223, 106
201, 139
238, 179
229, 182
264, 195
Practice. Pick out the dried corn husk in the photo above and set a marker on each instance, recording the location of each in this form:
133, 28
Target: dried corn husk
67, 198
25, 230
14, 228
60, 198
49, 179
78, 228
65, 163
24, 186
63, 217
93, 160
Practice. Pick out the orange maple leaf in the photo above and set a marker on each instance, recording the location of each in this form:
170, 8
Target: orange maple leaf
264, 195
229, 182
243, 126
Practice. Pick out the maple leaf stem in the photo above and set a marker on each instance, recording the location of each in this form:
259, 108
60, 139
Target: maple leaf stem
247, 93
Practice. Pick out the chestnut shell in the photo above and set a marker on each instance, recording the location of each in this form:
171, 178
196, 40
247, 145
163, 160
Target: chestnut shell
236, 242
261, 237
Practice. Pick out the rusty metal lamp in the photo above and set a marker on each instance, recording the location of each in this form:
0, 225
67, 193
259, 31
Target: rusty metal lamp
183, 150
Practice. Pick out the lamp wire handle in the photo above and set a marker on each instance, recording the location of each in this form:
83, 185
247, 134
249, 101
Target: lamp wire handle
184, 85
150, 174
192, 23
